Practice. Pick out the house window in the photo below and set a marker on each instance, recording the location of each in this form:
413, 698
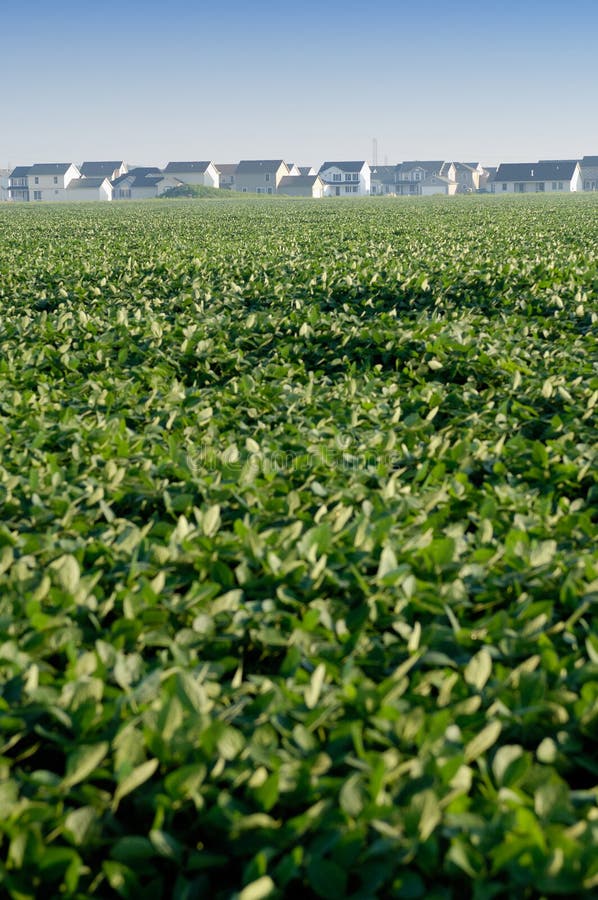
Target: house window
348, 189
56, 179
586, 185
267, 176
37, 195
504, 185
348, 177
560, 185
520, 187
355, 176
269, 190
355, 189
36, 180
540, 187
336, 176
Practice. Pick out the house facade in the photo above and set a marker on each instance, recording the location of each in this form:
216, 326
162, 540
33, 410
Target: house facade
87, 190
383, 180
346, 178
437, 184
4, 180
546, 176
18, 184
47, 181
226, 173
260, 176
589, 173
301, 186
202, 173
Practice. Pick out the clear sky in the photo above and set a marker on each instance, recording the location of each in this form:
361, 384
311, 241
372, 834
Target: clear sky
152, 82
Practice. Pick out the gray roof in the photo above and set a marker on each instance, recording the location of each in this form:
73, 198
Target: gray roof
104, 168
386, 174
298, 181
142, 176
589, 161
226, 168
554, 170
50, 168
257, 166
431, 165
187, 166
20, 171
344, 165
305, 170
86, 183
464, 167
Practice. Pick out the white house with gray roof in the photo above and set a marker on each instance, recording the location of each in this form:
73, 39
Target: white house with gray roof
4, 178
47, 181
301, 186
203, 173
109, 169
346, 178
87, 190
142, 183
546, 176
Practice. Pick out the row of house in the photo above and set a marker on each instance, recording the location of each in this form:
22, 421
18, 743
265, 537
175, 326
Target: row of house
113, 180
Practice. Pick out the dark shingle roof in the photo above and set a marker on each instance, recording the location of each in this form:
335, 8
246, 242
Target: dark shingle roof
344, 165
298, 181
20, 171
385, 174
100, 168
142, 176
555, 170
305, 170
86, 183
257, 166
227, 168
187, 166
589, 161
50, 168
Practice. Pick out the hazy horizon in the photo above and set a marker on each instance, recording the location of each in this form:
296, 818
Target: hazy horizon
183, 81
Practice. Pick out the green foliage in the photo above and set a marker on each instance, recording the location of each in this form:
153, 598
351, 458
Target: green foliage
195, 191
298, 564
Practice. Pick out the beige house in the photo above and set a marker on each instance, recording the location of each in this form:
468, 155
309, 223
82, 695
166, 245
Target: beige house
260, 176
202, 173
301, 186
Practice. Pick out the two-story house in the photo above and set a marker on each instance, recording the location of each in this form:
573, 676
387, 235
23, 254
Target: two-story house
589, 173
542, 177
383, 180
47, 181
260, 176
142, 183
202, 173
346, 178
86, 190
18, 185
227, 172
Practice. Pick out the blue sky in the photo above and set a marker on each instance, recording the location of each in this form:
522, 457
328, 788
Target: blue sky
150, 82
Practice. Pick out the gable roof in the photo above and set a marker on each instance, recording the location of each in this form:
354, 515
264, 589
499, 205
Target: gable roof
86, 183
589, 161
188, 166
227, 168
306, 170
257, 166
298, 181
386, 174
142, 176
548, 170
101, 168
20, 172
344, 165
51, 168
432, 165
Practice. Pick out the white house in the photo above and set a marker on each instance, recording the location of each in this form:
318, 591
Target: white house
346, 178
383, 180
87, 189
293, 169
417, 170
437, 184
142, 183
202, 173
47, 181
301, 186
537, 178
18, 186
109, 169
